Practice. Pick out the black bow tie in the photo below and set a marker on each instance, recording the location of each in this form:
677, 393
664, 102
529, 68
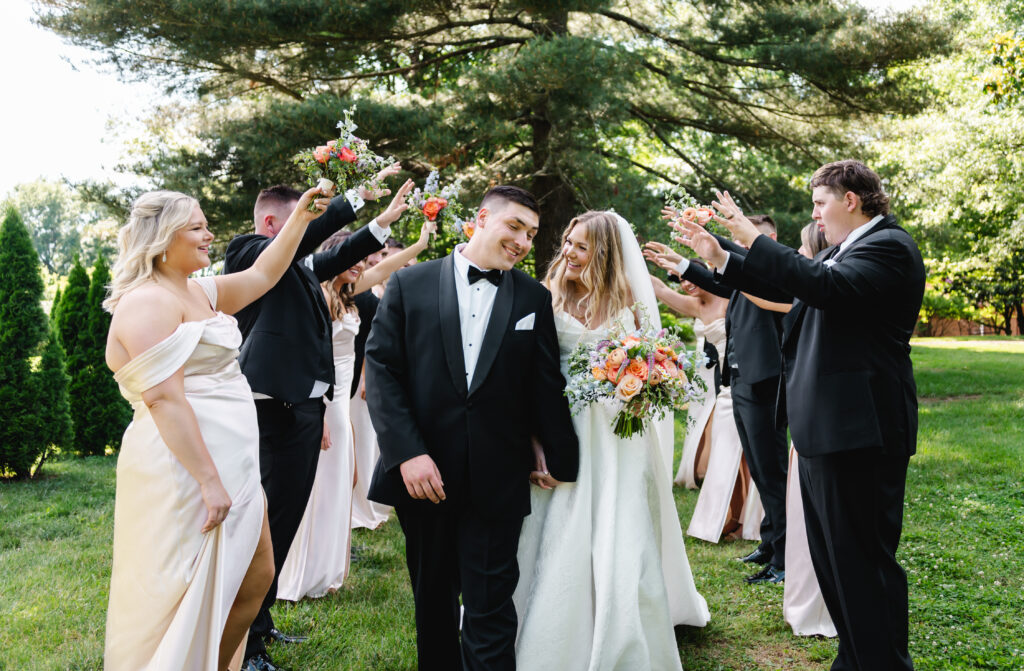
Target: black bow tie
492, 276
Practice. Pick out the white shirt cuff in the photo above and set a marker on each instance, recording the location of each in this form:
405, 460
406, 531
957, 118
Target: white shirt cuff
354, 200
682, 266
728, 255
382, 234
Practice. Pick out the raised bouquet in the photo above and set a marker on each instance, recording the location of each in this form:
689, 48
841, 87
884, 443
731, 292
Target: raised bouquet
644, 370
440, 205
692, 211
344, 163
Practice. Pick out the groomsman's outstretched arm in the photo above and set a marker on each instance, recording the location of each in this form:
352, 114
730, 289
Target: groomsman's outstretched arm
552, 423
388, 399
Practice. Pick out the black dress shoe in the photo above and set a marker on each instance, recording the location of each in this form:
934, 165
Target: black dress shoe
260, 662
758, 556
277, 636
768, 574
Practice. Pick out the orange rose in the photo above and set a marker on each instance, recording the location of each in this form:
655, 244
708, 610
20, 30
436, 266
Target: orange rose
703, 215
655, 375
599, 373
616, 358
663, 353
638, 367
628, 387
467, 229
689, 214
614, 373
322, 153
433, 206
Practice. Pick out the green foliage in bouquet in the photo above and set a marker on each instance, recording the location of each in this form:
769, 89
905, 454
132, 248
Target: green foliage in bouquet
438, 204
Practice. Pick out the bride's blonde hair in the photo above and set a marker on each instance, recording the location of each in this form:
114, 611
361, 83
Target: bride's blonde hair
601, 290
156, 216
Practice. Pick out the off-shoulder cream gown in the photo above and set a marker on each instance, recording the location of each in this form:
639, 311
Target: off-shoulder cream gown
171, 587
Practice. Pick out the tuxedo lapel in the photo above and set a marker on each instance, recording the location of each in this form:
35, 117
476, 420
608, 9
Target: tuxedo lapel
887, 222
451, 330
500, 314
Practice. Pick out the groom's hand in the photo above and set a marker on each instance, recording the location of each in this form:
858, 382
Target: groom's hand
422, 479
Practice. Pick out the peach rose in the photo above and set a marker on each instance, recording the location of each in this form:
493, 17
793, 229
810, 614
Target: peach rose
655, 375
614, 373
663, 353
671, 370
433, 206
467, 229
689, 214
599, 373
616, 357
628, 387
630, 341
322, 153
332, 143
638, 367
703, 215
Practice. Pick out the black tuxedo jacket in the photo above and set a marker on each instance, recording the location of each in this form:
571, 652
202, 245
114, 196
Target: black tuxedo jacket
846, 342
366, 303
479, 437
756, 352
286, 334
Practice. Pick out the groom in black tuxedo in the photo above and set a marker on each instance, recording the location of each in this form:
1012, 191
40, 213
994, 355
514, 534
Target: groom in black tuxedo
462, 379
287, 358
851, 396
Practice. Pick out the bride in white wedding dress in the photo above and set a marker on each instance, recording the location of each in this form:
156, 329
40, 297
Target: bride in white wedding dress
603, 569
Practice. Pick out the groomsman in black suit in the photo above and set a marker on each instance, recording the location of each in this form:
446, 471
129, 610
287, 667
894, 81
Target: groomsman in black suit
752, 364
462, 380
287, 358
852, 400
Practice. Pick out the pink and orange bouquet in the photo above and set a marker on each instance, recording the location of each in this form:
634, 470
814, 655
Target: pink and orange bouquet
344, 163
644, 370
692, 211
440, 204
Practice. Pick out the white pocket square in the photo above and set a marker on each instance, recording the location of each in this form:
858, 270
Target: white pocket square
526, 323
829, 262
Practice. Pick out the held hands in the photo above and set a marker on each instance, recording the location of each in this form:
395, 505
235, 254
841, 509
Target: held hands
396, 207
304, 211
428, 229
374, 194
541, 477
217, 503
422, 479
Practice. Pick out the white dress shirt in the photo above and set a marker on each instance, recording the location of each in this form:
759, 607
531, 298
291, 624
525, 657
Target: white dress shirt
475, 304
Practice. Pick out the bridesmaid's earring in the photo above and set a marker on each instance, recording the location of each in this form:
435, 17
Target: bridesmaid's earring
165, 257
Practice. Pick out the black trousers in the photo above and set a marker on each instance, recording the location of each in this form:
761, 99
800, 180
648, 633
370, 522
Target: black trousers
767, 453
452, 551
290, 437
853, 508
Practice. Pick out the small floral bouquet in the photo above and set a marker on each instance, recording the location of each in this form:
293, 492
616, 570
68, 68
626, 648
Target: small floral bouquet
344, 163
692, 211
440, 205
643, 369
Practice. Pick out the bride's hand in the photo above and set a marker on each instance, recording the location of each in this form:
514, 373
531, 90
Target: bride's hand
540, 476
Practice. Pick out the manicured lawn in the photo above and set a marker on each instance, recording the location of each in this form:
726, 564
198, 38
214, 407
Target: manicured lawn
962, 547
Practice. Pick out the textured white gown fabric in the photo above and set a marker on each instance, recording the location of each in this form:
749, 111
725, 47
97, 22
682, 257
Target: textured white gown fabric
603, 569
171, 587
318, 559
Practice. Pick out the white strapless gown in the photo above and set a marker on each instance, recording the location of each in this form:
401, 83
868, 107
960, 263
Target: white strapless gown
603, 569
318, 559
171, 587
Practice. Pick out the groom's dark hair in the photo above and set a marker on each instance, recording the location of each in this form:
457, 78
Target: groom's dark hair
511, 194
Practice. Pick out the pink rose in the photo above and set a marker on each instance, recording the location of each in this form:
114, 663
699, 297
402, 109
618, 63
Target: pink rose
322, 153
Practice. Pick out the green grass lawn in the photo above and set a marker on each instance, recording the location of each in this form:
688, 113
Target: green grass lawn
962, 546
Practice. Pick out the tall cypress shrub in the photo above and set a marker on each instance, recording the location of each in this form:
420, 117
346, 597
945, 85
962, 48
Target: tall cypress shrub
108, 412
50, 389
22, 327
71, 319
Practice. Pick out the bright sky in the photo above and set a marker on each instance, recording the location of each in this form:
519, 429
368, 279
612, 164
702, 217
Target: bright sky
57, 105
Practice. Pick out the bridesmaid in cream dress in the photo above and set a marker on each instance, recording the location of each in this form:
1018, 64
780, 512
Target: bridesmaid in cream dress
728, 502
696, 447
192, 558
318, 559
